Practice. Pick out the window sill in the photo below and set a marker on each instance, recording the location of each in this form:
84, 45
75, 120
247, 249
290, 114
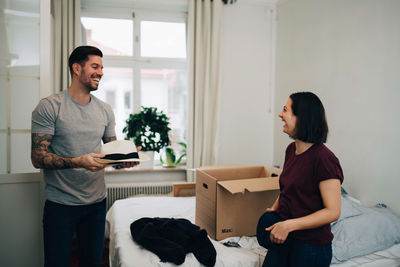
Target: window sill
111, 170
157, 174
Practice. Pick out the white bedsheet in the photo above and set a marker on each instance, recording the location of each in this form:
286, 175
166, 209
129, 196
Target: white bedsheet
385, 258
124, 252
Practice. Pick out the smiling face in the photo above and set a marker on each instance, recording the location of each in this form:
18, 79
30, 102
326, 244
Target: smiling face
288, 118
90, 73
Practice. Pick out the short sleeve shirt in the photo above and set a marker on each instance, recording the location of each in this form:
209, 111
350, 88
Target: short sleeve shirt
299, 185
77, 130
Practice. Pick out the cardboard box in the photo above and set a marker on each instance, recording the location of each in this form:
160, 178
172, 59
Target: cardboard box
230, 200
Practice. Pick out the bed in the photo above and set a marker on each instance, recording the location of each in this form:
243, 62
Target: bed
124, 252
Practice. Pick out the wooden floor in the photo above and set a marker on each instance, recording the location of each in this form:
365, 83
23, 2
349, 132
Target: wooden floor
104, 261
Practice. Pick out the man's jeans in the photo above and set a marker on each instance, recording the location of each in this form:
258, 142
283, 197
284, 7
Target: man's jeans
292, 252
60, 222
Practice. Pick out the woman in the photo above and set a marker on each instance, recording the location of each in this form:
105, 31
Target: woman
296, 229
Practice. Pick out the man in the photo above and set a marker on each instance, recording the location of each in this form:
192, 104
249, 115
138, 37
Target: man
67, 130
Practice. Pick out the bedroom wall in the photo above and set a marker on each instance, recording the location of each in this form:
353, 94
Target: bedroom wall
348, 52
21, 205
245, 115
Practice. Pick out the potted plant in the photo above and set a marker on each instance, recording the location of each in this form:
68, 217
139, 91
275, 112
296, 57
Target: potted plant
149, 129
170, 156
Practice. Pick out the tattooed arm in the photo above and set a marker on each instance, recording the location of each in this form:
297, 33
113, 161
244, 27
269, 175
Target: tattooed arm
43, 159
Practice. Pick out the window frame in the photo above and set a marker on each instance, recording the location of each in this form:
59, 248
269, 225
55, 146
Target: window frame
11, 129
136, 62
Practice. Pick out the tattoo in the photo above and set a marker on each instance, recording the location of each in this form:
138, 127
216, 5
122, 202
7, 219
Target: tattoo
109, 139
42, 158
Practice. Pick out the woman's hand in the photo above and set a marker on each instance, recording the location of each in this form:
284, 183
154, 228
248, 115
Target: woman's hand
279, 231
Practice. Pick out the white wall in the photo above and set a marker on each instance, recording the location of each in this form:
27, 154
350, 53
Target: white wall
245, 132
21, 205
348, 52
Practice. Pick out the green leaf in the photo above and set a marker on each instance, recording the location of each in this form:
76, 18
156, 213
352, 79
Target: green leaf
148, 128
170, 156
183, 144
180, 158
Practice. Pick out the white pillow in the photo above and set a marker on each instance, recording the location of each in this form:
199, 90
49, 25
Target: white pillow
375, 229
348, 209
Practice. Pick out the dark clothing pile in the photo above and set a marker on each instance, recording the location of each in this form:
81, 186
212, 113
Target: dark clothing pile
170, 239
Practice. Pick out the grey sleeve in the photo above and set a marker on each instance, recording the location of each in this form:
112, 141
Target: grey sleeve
44, 118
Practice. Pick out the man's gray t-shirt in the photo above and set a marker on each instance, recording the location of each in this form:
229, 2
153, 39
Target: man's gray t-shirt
77, 130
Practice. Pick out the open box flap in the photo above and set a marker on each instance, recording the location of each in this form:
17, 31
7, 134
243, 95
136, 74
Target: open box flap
251, 185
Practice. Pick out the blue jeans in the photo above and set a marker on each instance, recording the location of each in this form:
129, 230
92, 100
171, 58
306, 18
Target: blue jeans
60, 222
292, 252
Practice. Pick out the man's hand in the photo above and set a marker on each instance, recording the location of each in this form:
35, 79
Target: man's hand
88, 162
130, 164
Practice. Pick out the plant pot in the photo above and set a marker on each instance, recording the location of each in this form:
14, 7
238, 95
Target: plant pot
170, 160
147, 164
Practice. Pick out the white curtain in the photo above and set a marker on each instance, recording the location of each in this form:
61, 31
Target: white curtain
67, 36
204, 23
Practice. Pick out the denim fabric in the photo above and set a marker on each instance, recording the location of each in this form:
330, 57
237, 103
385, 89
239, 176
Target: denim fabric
292, 252
60, 222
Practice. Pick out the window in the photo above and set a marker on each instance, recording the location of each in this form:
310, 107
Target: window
144, 64
19, 82
162, 39
101, 33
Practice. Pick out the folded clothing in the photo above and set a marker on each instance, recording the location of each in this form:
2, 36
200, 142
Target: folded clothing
119, 156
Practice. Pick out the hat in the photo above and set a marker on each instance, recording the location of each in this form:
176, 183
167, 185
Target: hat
120, 151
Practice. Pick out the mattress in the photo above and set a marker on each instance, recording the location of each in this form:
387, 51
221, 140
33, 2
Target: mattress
124, 252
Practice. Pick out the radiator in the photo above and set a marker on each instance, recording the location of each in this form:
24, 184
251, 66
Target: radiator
123, 190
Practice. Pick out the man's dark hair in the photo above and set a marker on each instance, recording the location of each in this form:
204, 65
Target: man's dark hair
80, 55
311, 125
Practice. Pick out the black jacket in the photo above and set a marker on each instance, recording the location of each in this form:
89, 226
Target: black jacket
172, 238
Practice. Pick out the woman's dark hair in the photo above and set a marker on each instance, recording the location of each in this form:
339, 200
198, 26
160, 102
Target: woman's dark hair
311, 125
80, 55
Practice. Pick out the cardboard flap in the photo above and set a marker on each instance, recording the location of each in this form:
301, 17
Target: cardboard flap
251, 185
234, 173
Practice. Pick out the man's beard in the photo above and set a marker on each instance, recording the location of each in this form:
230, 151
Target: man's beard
89, 87
88, 84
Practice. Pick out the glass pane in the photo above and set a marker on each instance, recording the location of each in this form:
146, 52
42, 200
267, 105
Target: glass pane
31, 71
3, 45
3, 118
3, 153
116, 89
163, 39
22, 41
113, 37
21, 6
166, 89
24, 98
21, 153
